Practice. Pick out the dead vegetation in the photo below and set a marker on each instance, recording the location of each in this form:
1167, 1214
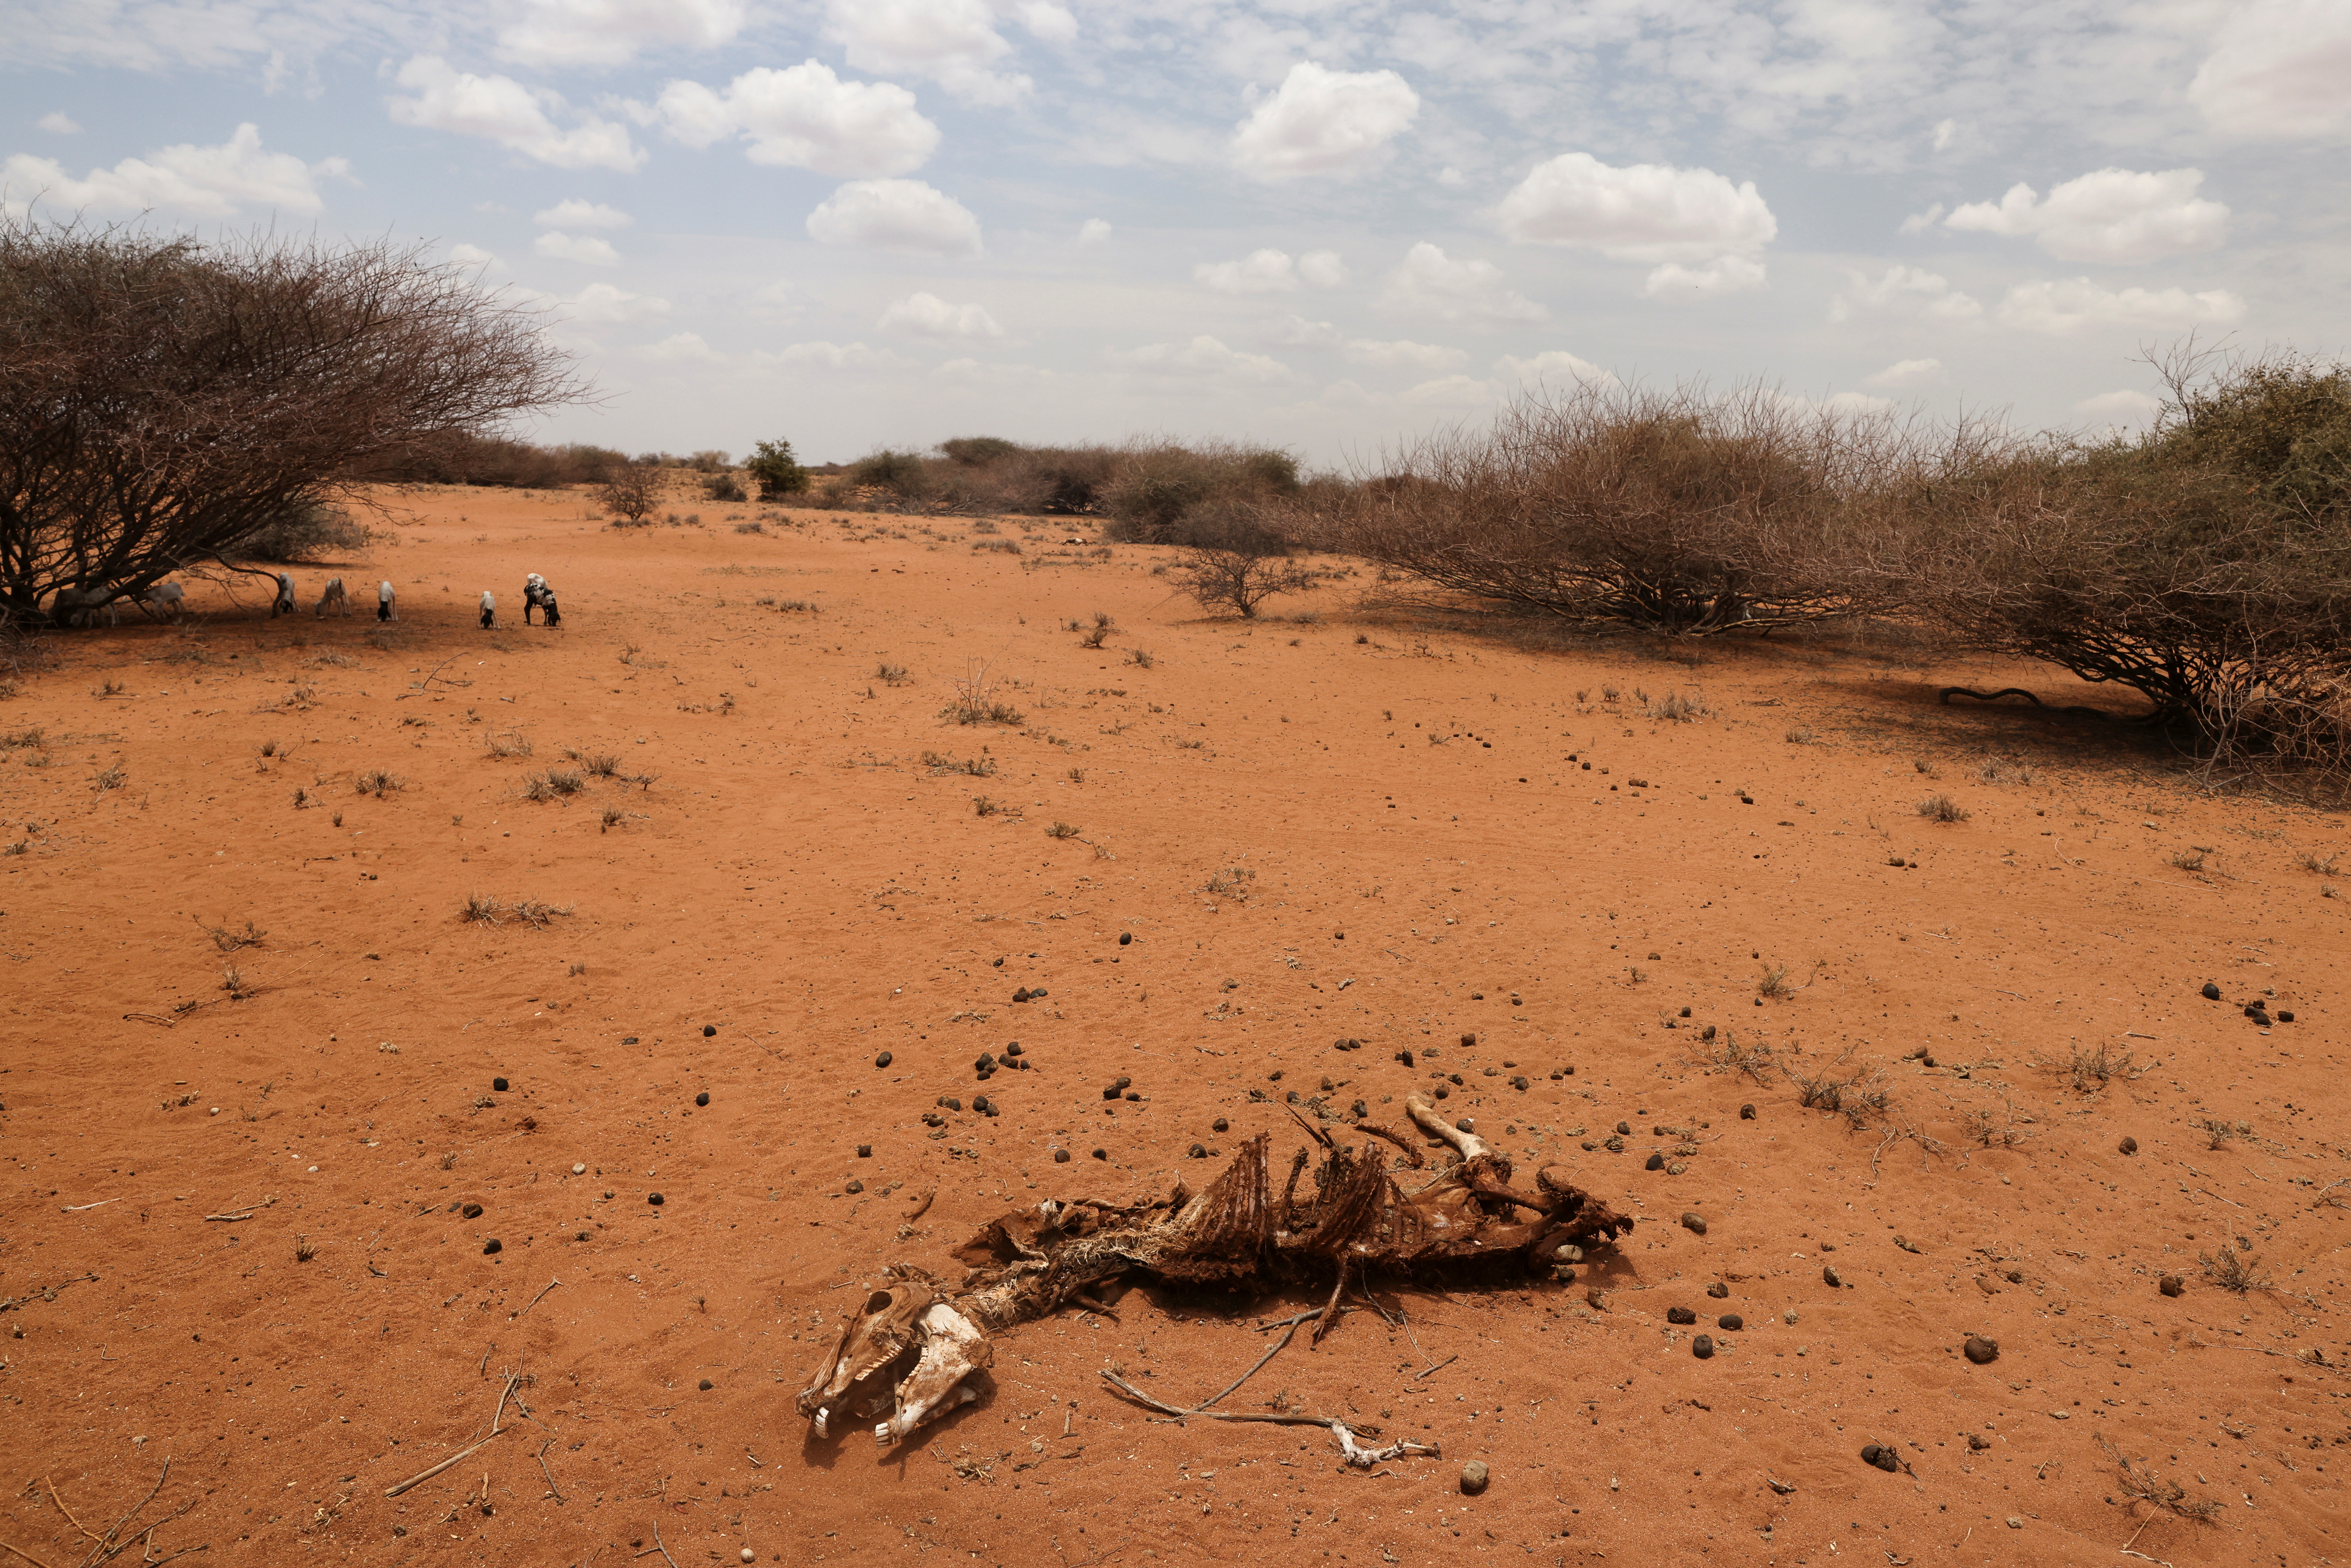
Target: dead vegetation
2141, 1483
2232, 1272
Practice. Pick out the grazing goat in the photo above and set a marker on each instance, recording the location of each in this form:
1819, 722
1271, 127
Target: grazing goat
489, 610
83, 606
334, 596
383, 602
537, 594
162, 599
284, 604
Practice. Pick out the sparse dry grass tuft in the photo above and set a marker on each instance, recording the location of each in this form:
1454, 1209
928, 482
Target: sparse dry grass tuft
1943, 809
2232, 1272
379, 783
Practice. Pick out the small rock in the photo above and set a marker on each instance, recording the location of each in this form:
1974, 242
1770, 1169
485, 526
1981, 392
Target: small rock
1978, 1442
703, 1098
1680, 1315
708, 1029
706, 1385
1199, 1151
2286, 1015
1717, 1289
1702, 1347
498, 1086
749, 1555
654, 1199
1060, 1156
2171, 1284
1220, 1124
1981, 1350
2014, 1522
2211, 992
882, 1059
1125, 937
1474, 1477
950, 1103
471, 1211
579, 1170
854, 1186
1731, 1323
492, 1248
1655, 1163
1625, 1128
1882, 1458
1102, 1154
1829, 1277
1747, 1113
1021, 995
864, 1151
2128, 1146
1694, 1224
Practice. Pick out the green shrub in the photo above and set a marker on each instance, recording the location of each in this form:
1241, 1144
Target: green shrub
779, 474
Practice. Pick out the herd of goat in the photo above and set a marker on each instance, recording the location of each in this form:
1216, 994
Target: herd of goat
164, 600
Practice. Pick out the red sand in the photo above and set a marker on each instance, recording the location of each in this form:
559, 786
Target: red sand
796, 877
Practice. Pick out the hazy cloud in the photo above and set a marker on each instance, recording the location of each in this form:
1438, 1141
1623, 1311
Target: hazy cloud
1430, 283
586, 249
2277, 71
1203, 358
928, 315
501, 109
1323, 122
2076, 304
611, 32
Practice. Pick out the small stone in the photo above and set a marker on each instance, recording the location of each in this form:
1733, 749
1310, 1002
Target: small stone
1474, 1476
1655, 1163
1060, 1156
749, 1555
1978, 1442
2211, 992
1021, 995
1731, 1323
1694, 1223
1102, 1154
1680, 1315
708, 1029
579, 1170
654, 1199
1702, 1347
1199, 1151
1717, 1289
1404, 1057
2128, 1146
1469, 1041
498, 1086
703, 1098
1829, 1277
854, 1186
1747, 1113
706, 1385
471, 1211
1981, 1350
1884, 1458
1624, 1128
1125, 937
2286, 1015
1220, 1125
864, 1151
950, 1103
492, 1247
2171, 1284
1112, 1092
882, 1059
1360, 1110
2014, 1522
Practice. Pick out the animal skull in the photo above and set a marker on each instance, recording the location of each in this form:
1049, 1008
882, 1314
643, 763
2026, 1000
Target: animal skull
905, 1359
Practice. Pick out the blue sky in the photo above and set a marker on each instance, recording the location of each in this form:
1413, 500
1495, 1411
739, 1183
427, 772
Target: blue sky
1324, 225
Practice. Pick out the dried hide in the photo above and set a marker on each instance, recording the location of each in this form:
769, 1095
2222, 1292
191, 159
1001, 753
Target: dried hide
904, 1361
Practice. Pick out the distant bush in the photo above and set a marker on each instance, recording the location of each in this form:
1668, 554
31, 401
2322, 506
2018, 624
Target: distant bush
779, 472
460, 459
308, 530
904, 473
977, 451
631, 493
1167, 493
724, 488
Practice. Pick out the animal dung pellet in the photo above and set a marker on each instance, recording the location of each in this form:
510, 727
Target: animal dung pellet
1981, 1350
498, 1086
1060, 1156
1220, 1125
1021, 995
703, 1098
1623, 1129
882, 1059
577, 1169
1404, 1057
708, 1029
1199, 1151
854, 1186
1469, 1040
2171, 1284
2128, 1146
2286, 1015
1717, 1289
1474, 1477
1125, 937
1467, 1124
1680, 1315
1694, 1223
1654, 1163
492, 1248
864, 1151
1102, 1154
1338, 936
1884, 1458
1359, 1110
948, 1101
1702, 1347
471, 1211
1520, 1084
2211, 992
1013, 1049
654, 1199
1747, 1113
1829, 1276
1731, 1323
706, 1385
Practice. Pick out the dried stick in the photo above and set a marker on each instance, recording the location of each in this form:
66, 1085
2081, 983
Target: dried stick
1277, 1347
462, 1453
541, 1457
665, 1551
106, 1547
1361, 1458
542, 1296
54, 1498
20, 1552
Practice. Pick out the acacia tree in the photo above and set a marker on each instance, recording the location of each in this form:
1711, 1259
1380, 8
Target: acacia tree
162, 399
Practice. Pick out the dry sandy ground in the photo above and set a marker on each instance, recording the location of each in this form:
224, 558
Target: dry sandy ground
1313, 831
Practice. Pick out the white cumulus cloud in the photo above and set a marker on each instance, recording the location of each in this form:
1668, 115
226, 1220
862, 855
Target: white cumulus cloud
202, 182
1323, 269
803, 118
1321, 122
2113, 215
2071, 305
1403, 352
2277, 71
1551, 365
611, 32
1093, 231
501, 109
57, 123
1909, 373
928, 315
1907, 291
586, 249
1677, 284
953, 42
1204, 358
1259, 272
1646, 212
576, 214
1430, 283
896, 214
